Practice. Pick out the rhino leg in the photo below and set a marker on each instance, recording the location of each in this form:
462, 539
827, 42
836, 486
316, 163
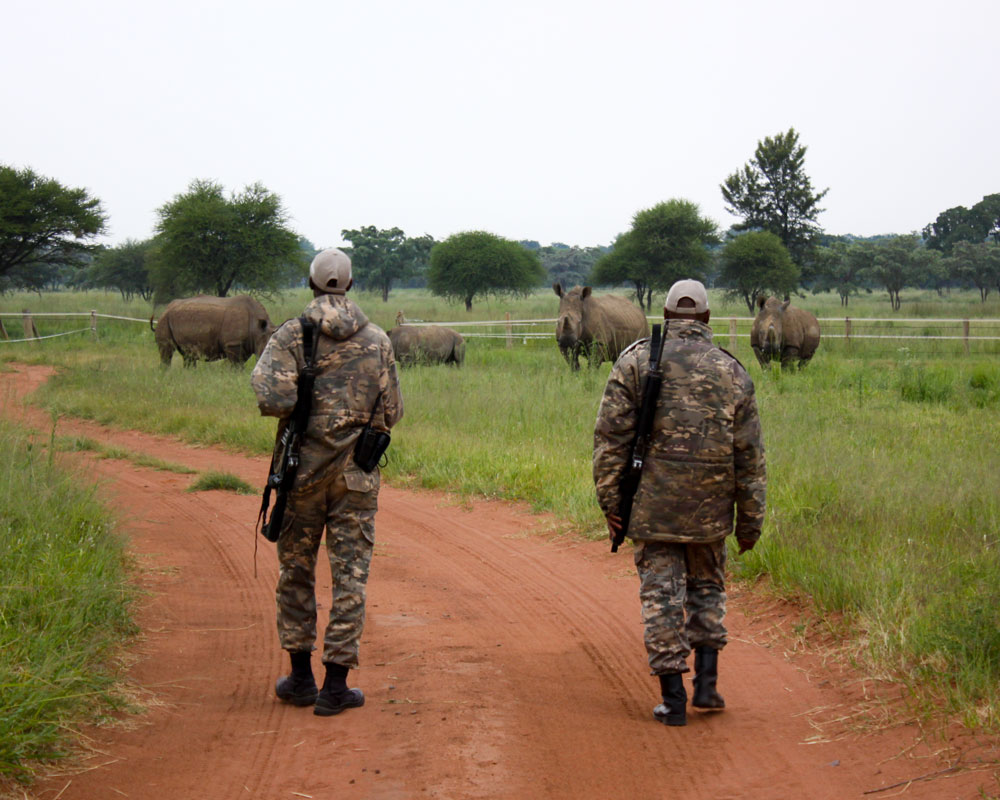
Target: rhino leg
789, 357
190, 360
761, 357
166, 354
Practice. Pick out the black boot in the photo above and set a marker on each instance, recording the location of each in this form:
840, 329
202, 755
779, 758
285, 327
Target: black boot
299, 688
335, 696
673, 711
706, 673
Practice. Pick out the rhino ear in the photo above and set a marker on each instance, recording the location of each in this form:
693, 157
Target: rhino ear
785, 305
557, 288
761, 299
585, 293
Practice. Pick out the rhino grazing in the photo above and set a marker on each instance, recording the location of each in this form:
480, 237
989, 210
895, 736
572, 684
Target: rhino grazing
783, 332
599, 327
213, 328
433, 344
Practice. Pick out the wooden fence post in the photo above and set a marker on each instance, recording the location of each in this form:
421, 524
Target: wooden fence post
965, 334
3, 330
847, 330
732, 334
510, 332
30, 331
93, 322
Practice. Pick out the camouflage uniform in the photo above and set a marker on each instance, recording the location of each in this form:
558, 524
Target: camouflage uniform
704, 474
355, 365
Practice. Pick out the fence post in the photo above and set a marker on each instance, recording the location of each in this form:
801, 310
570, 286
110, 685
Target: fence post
965, 334
30, 331
93, 322
510, 332
732, 334
847, 330
3, 330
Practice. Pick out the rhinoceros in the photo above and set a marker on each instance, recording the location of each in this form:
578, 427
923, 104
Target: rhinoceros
433, 344
781, 331
213, 328
599, 327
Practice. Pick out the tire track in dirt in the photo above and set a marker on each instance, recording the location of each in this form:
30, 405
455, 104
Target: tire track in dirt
498, 660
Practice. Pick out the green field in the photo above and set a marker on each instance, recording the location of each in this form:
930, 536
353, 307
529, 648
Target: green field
883, 459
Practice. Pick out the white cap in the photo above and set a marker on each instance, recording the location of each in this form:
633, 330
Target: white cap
330, 271
695, 290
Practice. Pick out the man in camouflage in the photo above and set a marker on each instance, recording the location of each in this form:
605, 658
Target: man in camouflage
356, 380
703, 474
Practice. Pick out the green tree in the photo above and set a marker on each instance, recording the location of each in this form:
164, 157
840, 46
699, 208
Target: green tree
903, 261
569, 266
756, 263
380, 258
124, 268
773, 193
480, 263
960, 224
44, 225
211, 243
666, 243
976, 264
843, 267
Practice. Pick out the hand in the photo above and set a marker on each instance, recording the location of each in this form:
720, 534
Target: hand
614, 526
745, 545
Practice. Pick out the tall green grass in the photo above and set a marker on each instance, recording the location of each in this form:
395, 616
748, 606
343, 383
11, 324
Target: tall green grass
64, 604
883, 485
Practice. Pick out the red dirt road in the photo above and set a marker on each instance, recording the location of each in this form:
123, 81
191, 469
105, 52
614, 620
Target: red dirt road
499, 660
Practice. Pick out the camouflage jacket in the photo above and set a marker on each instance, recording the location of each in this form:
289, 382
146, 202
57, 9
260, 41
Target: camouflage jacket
354, 363
704, 467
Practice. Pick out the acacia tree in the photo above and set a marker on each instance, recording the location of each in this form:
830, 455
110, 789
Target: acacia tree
773, 193
755, 263
124, 268
481, 263
843, 267
209, 242
666, 243
380, 258
44, 224
903, 261
978, 264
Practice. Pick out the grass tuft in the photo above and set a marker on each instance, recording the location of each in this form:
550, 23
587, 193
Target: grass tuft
222, 481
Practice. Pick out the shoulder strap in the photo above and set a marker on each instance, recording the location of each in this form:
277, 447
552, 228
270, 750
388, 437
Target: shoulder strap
308, 341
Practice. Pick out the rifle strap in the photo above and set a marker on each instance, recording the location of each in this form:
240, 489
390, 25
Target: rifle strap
308, 341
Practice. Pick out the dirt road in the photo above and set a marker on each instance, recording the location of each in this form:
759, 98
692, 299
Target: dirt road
500, 660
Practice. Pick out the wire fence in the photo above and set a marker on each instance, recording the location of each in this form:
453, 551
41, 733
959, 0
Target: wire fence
855, 336
861, 337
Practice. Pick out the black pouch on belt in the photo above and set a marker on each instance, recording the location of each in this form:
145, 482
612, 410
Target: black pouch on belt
371, 444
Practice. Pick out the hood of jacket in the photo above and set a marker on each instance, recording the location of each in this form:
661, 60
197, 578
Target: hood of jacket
337, 316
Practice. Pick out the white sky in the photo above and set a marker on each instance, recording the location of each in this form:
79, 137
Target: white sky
553, 120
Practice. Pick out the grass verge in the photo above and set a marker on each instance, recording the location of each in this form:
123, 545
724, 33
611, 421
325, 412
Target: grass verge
64, 605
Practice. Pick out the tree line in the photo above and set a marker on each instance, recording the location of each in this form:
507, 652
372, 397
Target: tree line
209, 241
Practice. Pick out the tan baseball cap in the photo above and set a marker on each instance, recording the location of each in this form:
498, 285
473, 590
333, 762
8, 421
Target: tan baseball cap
330, 271
695, 290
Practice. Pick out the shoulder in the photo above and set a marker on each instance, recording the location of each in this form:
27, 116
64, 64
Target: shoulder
634, 349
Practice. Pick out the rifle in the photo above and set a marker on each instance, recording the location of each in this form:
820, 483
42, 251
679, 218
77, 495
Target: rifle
629, 483
286, 466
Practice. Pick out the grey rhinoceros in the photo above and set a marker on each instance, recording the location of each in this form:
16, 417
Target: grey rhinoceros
781, 331
432, 344
212, 328
598, 327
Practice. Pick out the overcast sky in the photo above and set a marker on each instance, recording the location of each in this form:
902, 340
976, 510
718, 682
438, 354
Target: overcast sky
553, 120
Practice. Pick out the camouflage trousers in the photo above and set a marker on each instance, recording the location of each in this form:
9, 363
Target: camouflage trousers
683, 595
344, 505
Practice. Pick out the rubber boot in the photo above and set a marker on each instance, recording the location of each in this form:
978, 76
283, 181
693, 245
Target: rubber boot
299, 688
706, 674
673, 710
335, 697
